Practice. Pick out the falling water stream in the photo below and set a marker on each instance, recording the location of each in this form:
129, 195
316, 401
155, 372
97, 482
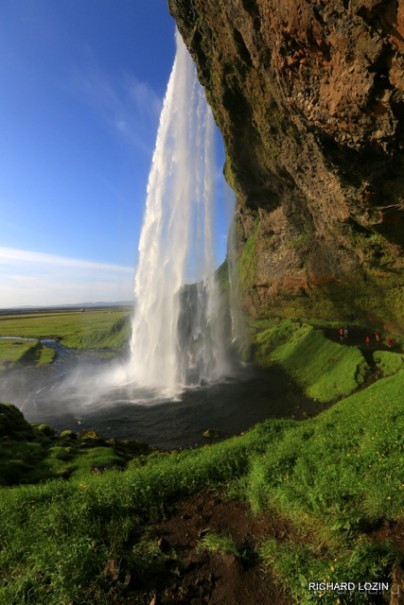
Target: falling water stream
176, 337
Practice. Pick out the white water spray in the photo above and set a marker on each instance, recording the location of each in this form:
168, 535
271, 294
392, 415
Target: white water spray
175, 334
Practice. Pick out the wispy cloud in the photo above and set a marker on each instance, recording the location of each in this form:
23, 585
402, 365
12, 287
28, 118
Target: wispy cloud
15, 255
35, 278
131, 107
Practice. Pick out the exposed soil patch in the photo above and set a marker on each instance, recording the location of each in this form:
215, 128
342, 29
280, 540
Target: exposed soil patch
390, 531
192, 576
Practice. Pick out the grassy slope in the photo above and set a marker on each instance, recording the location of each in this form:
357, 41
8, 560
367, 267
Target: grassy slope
334, 476
325, 370
30, 454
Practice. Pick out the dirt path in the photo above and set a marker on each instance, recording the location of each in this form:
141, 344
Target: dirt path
194, 577
357, 338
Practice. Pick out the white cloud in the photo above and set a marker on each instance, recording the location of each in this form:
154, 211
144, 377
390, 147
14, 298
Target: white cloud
30, 278
15, 255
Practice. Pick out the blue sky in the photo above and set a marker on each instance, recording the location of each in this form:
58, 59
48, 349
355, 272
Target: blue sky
81, 88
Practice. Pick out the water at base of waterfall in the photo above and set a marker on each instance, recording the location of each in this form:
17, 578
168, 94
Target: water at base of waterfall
73, 394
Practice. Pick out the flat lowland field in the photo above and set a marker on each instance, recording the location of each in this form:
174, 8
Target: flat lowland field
76, 328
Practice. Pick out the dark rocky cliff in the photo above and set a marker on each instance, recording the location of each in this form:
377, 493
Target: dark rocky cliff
309, 96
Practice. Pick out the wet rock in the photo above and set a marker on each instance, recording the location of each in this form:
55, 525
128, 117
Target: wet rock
211, 433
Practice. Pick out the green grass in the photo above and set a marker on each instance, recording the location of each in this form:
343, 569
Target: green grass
77, 329
346, 459
324, 369
388, 362
93, 329
295, 565
29, 454
332, 476
213, 542
335, 477
13, 352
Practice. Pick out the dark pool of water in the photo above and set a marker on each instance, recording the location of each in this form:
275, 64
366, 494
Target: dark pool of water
72, 394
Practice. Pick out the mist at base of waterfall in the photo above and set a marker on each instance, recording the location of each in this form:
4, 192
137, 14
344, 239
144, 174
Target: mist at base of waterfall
85, 392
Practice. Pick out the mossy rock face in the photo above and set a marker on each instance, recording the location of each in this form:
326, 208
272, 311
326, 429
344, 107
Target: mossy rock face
318, 222
13, 423
211, 433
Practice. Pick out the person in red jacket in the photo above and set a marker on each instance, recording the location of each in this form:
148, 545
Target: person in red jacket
367, 340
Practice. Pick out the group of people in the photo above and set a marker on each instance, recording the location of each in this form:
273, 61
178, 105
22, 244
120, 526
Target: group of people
390, 342
343, 333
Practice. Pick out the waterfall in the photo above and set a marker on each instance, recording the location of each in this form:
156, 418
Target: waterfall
175, 334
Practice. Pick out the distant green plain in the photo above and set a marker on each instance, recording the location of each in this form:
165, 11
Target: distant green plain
89, 329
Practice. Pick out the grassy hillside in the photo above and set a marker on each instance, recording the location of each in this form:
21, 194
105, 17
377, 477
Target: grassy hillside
335, 478
324, 369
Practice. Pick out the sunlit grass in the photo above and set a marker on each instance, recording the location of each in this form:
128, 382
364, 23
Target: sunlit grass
214, 542
324, 369
91, 329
